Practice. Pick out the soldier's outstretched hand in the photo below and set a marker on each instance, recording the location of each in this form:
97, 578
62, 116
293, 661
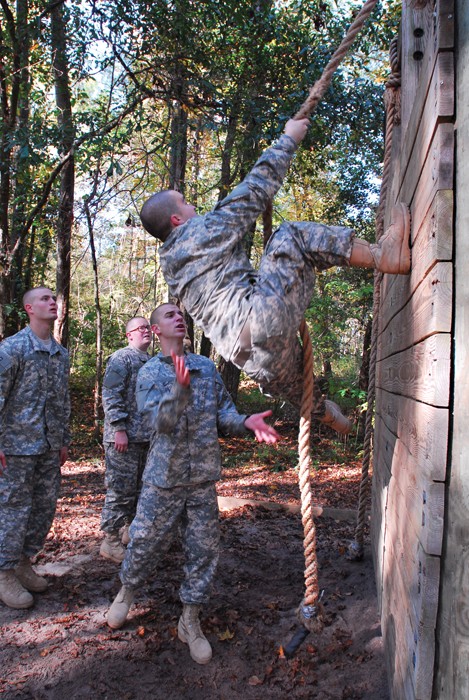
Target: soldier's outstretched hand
262, 430
182, 373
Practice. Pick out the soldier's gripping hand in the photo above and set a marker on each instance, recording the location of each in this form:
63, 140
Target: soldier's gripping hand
297, 128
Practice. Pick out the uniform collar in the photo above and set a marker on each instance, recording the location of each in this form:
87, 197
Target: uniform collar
193, 362
38, 345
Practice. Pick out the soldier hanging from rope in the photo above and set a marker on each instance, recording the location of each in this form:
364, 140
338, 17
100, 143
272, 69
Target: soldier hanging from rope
252, 316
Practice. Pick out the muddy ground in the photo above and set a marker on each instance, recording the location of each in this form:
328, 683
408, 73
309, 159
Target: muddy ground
62, 648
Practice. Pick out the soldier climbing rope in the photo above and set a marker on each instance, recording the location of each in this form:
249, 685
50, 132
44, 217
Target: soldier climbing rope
309, 611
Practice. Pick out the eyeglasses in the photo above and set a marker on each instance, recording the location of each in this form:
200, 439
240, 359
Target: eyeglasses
142, 329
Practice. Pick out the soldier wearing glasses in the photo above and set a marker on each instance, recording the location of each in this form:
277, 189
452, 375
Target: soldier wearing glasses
126, 438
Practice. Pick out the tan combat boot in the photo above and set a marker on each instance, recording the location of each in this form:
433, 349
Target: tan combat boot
119, 610
392, 253
29, 578
190, 633
12, 592
112, 548
335, 419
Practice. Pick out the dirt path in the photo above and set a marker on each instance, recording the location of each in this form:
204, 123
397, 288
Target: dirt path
62, 648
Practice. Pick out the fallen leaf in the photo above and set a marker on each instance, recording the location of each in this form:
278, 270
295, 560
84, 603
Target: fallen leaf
223, 636
141, 631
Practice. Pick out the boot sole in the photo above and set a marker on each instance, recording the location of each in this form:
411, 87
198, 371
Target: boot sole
404, 267
116, 625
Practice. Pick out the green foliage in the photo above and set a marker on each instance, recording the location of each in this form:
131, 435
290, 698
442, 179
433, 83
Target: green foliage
239, 70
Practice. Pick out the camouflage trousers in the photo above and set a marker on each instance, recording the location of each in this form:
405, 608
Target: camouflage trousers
159, 512
123, 481
281, 296
29, 489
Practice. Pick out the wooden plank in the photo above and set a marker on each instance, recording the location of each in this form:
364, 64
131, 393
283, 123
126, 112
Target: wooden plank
416, 37
400, 681
432, 239
421, 501
379, 497
436, 175
432, 169
410, 597
421, 372
444, 18
422, 428
420, 578
415, 648
432, 103
429, 311
435, 31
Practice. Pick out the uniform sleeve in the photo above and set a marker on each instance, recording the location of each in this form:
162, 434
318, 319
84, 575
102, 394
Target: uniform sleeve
160, 399
67, 407
8, 369
114, 393
229, 421
240, 209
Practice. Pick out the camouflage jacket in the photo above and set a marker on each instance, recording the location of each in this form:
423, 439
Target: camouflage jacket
204, 261
184, 447
34, 395
119, 402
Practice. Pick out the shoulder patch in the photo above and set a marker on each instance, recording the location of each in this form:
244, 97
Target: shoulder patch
113, 379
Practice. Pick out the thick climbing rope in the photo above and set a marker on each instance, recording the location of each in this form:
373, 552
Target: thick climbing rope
310, 609
392, 105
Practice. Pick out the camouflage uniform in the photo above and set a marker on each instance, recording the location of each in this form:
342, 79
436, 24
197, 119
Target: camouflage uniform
123, 469
206, 267
183, 464
34, 416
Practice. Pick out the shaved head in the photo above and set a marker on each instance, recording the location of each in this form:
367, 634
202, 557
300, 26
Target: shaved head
157, 314
29, 296
156, 214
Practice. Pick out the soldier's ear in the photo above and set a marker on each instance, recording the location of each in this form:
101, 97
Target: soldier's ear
175, 220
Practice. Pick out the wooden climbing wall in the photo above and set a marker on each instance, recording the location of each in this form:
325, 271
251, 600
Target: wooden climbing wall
413, 371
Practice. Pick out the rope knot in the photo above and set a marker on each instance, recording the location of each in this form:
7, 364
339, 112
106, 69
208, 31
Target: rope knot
312, 617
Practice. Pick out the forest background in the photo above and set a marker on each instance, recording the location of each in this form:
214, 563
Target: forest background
105, 102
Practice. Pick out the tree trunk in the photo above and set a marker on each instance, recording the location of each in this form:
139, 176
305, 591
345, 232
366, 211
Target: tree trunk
99, 327
67, 176
230, 375
15, 85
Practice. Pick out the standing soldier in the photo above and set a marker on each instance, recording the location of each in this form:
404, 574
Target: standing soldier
34, 438
126, 438
184, 399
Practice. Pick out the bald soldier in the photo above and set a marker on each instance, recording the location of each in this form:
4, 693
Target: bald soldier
252, 316
126, 438
34, 438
